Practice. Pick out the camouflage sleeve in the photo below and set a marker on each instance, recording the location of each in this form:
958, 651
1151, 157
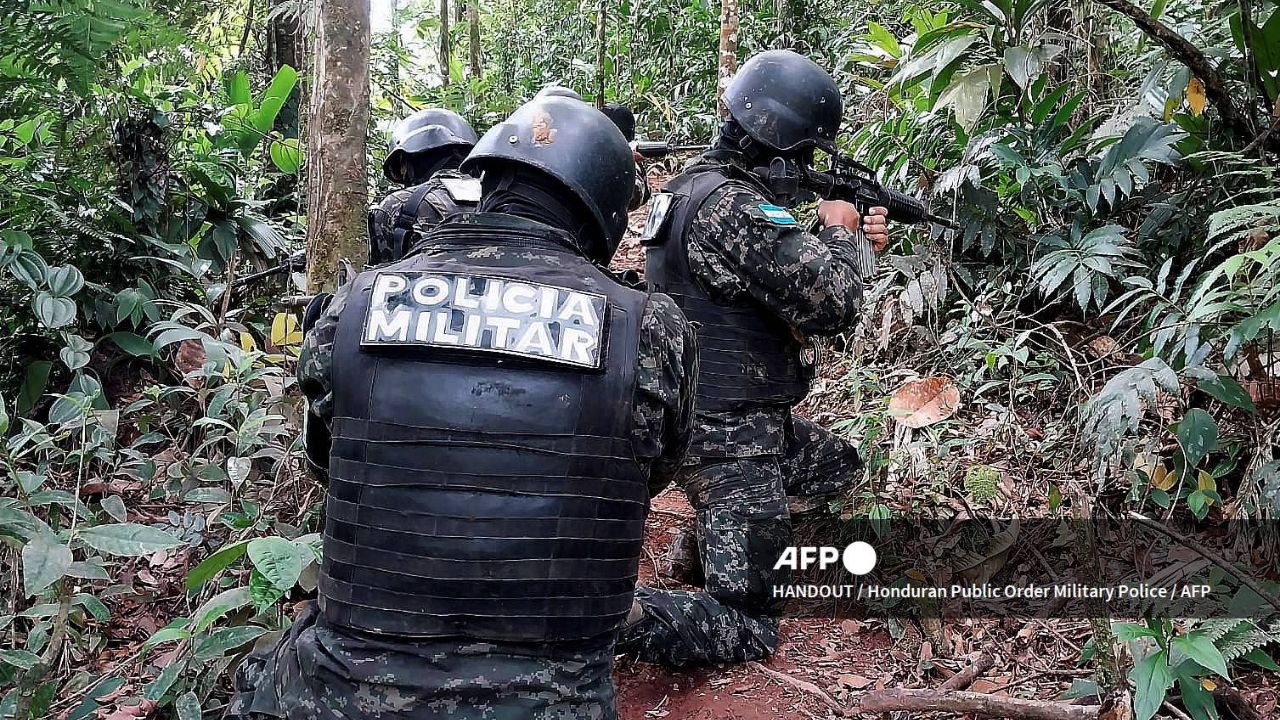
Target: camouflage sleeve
665, 386
739, 244
315, 362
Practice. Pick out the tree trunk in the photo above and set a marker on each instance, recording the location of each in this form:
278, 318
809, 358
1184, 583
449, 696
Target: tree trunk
473, 22
337, 181
285, 47
601, 22
782, 9
728, 58
444, 42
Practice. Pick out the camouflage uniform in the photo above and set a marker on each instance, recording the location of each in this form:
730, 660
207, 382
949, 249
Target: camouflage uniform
744, 464
436, 204
319, 671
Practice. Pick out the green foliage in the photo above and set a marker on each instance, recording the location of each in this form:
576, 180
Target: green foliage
982, 482
1190, 658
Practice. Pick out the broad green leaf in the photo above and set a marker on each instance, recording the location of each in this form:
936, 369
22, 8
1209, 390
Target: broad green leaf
53, 312
215, 563
263, 591
1081, 687
1225, 389
114, 506
16, 240
223, 640
278, 560
95, 606
1197, 700
1131, 631
1199, 648
44, 562
65, 280
968, 93
208, 495
33, 386
164, 635
187, 706
88, 570
4, 418
237, 85
1260, 658
238, 469
29, 268
1198, 435
274, 98
128, 539
215, 607
21, 659
170, 333
1152, 678
132, 343
286, 154
158, 688
74, 360
1266, 54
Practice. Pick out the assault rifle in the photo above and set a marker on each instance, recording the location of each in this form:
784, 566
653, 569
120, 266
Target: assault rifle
847, 180
852, 182
653, 149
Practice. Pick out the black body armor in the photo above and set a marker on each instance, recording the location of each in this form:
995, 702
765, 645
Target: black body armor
747, 356
448, 192
477, 492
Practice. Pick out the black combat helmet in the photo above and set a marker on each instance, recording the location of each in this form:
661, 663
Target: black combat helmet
426, 131
578, 146
786, 102
557, 91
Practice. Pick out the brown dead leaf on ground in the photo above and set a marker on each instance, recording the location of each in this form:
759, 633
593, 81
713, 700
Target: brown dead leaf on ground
921, 403
189, 358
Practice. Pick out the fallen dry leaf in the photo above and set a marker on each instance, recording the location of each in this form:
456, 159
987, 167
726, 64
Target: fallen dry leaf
921, 403
854, 682
1102, 346
189, 358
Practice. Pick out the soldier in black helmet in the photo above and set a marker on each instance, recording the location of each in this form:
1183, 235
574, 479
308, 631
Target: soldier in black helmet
501, 410
724, 245
425, 151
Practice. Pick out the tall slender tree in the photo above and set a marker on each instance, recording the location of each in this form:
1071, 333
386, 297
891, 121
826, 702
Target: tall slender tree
602, 20
728, 57
444, 42
337, 175
473, 31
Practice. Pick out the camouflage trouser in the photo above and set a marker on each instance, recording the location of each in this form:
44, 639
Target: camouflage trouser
743, 525
319, 672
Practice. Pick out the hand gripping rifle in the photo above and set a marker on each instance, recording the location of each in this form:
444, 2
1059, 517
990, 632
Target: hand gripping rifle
853, 182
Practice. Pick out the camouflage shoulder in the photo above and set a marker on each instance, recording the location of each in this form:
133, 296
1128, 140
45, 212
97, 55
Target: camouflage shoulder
392, 202
663, 317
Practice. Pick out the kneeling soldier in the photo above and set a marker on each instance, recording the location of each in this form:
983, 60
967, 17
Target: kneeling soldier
501, 410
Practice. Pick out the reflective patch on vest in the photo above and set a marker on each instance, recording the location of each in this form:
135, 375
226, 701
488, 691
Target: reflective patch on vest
464, 190
659, 210
776, 215
486, 314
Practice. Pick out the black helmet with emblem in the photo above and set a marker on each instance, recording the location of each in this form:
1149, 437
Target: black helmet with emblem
576, 145
426, 131
786, 102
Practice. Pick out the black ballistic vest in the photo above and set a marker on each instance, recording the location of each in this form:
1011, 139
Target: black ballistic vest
482, 495
437, 194
747, 356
